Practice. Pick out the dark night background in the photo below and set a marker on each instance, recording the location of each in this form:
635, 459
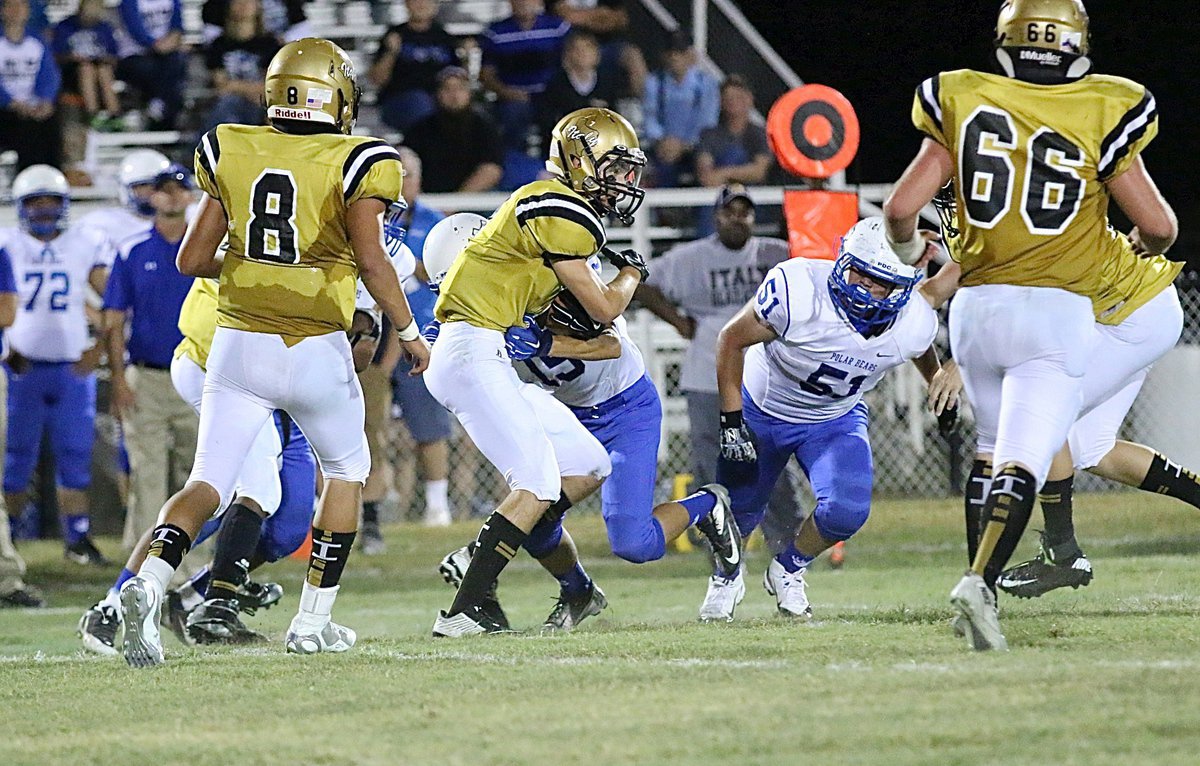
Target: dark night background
877, 51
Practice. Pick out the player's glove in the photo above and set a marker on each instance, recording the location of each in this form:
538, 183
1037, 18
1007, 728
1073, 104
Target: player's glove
527, 341
947, 420
431, 332
629, 257
567, 316
736, 444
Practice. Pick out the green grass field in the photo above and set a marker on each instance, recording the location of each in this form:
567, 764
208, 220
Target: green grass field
1106, 674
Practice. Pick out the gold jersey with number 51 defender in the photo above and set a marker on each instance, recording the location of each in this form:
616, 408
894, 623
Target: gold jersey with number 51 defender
300, 202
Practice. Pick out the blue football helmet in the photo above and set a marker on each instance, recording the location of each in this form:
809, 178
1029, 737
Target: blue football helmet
42, 181
865, 250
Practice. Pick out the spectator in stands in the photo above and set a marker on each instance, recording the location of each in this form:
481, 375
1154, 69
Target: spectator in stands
578, 83
735, 151
29, 84
462, 143
520, 55
153, 57
145, 293
14, 593
682, 101
407, 64
428, 423
608, 20
85, 46
282, 19
237, 62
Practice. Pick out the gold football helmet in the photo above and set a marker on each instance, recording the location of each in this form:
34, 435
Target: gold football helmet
595, 151
1056, 25
313, 80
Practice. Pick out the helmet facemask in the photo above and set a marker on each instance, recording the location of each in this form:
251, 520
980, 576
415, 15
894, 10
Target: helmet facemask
44, 219
868, 314
615, 187
394, 230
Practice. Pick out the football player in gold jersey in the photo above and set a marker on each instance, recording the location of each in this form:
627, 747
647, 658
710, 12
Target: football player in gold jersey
1036, 153
536, 244
301, 202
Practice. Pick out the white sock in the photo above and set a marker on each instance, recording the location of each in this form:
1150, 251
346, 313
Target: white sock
437, 497
316, 605
157, 571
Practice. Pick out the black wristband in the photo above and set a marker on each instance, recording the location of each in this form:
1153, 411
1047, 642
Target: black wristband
732, 419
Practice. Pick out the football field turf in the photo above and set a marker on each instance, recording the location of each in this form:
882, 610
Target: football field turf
1106, 674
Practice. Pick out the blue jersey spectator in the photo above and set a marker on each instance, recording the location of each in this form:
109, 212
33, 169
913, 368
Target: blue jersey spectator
152, 56
682, 101
85, 46
520, 55
29, 84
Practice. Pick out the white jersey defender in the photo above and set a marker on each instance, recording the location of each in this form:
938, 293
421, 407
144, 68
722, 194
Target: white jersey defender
819, 367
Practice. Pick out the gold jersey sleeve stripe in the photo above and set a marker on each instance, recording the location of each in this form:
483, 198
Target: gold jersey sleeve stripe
359, 162
562, 206
1132, 126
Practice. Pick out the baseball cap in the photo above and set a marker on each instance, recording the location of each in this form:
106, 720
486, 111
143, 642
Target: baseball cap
452, 71
731, 192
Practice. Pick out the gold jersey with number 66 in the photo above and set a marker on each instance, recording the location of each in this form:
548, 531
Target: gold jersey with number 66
1030, 166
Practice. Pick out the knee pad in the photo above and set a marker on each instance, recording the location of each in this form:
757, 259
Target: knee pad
636, 540
544, 537
839, 519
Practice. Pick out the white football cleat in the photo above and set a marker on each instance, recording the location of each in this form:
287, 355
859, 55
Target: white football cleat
141, 603
722, 598
977, 606
788, 588
329, 638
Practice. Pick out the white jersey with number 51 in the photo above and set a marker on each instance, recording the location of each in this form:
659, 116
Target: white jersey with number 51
819, 367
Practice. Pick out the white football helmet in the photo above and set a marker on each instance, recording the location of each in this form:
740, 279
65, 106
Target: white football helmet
139, 167
865, 249
41, 181
445, 241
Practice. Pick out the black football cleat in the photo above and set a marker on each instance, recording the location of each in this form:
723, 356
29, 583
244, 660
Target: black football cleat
85, 553
253, 596
216, 621
721, 531
1046, 572
22, 598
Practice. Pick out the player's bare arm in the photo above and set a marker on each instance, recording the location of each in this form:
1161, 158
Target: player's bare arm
604, 346
364, 221
661, 306
926, 174
1155, 224
8, 309
742, 332
940, 288
198, 251
604, 302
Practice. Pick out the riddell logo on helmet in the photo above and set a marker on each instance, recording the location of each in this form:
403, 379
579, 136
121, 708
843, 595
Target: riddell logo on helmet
286, 113
1048, 58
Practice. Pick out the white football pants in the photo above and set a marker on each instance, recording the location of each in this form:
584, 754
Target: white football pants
1023, 352
1120, 360
250, 375
259, 477
527, 434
